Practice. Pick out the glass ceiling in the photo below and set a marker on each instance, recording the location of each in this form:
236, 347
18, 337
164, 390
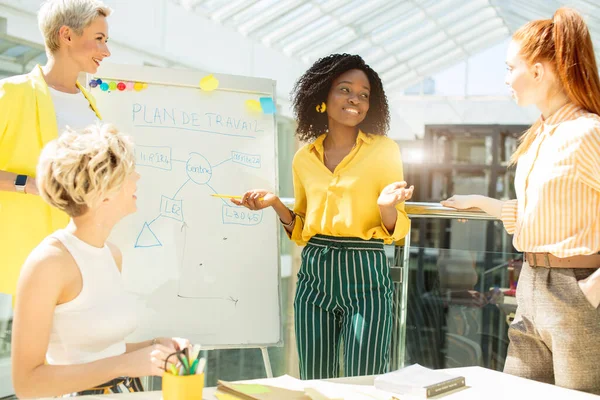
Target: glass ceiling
18, 57
403, 40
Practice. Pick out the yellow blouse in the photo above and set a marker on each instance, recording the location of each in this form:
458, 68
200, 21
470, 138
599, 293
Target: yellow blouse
343, 203
557, 182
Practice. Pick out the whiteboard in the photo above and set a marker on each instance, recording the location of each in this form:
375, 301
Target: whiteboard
201, 267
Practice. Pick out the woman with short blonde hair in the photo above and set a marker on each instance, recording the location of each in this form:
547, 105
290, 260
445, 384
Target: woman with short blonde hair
75, 14
34, 108
72, 312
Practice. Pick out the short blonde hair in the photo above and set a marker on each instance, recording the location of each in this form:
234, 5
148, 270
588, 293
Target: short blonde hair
76, 14
79, 169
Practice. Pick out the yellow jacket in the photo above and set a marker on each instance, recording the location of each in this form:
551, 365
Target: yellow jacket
27, 123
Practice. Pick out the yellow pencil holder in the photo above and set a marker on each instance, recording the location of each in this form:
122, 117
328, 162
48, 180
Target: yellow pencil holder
184, 387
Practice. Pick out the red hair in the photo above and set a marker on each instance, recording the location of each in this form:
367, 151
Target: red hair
565, 43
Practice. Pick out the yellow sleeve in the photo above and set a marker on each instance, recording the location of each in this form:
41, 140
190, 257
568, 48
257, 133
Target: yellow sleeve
299, 208
5, 109
394, 173
509, 215
587, 159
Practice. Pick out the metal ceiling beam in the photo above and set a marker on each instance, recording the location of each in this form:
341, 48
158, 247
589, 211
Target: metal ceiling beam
10, 66
326, 44
314, 34
355, 13
5, 46
351, 33
329, 7
266, 18
272, 37
442, 28
231, 9
29, 55
385, 16
474, 21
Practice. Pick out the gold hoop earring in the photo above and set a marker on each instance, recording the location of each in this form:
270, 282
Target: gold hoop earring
321, 108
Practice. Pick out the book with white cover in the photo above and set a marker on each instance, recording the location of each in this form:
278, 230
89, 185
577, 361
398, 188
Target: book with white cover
418, 380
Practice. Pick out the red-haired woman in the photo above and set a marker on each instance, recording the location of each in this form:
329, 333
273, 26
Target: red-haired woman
555, 337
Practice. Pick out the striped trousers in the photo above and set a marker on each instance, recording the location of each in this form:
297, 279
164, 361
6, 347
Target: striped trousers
343, 299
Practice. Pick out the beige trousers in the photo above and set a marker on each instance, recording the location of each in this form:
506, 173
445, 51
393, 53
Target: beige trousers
555, 336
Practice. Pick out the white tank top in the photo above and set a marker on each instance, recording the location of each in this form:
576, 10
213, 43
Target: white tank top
93, 325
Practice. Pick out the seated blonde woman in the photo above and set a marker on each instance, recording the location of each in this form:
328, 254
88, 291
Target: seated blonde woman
72, 313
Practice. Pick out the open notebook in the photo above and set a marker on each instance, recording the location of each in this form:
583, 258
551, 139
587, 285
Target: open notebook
288, 388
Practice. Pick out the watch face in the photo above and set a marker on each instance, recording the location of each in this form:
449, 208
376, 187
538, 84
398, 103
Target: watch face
21, 180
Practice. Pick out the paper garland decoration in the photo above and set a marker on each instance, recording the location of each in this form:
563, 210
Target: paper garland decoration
117, 86
264, 105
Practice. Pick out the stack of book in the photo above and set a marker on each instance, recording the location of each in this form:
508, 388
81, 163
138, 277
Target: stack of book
419, 382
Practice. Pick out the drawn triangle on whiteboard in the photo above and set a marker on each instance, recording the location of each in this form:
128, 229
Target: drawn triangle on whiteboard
147, 238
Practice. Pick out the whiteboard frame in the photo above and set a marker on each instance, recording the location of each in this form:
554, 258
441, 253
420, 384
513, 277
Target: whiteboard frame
229, 83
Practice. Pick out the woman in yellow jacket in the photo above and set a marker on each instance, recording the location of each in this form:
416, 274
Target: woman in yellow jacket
33, 109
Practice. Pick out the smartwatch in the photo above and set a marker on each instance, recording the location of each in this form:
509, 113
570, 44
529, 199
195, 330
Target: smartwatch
20, 183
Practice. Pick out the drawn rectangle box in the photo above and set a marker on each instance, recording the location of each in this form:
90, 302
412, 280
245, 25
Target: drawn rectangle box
241, 216
154, 157
171, 208
249, 160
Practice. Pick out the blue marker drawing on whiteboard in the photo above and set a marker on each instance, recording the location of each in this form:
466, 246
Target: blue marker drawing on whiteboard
249, 160
198, 169
218, 120
233, 215
153, 156
196, 130
171, 208
147, 238
181, 187
187, 120
222, 162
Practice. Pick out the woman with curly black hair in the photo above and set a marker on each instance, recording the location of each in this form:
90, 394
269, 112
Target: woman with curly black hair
349, 200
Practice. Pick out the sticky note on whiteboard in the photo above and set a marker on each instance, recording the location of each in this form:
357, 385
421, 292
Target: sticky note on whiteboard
267, 105
209, 83
253, 106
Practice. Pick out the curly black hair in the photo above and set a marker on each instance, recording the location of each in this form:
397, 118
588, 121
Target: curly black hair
313, 88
